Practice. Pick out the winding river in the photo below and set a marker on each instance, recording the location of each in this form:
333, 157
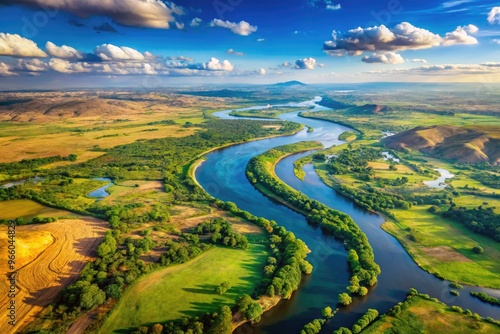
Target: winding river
222, 175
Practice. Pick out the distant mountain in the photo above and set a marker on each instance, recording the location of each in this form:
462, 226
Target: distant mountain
469, 145
289, 84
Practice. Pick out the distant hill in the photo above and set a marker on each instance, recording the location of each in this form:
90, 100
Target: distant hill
369, 109
467, 145
289, 84
333, 104
44, 109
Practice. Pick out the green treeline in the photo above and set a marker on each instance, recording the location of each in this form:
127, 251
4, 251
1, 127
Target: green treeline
260, 172
485, 297
480, 220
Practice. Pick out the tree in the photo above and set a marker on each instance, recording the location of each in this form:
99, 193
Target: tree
156, 329
478, 249
345, 299
254, 312
222, 322
72, 157
91, 297
362, 291
327, 312
223, 287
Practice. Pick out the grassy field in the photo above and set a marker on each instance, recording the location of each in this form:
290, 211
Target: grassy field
27, 209
188, 289
445, 247
427, 316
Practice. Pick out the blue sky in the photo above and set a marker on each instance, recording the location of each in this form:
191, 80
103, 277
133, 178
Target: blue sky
53, 44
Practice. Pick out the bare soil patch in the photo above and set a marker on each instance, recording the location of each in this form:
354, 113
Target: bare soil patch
445, 254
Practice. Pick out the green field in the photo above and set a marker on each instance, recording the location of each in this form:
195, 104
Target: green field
27, 209
187, 290
428, 316
445, 247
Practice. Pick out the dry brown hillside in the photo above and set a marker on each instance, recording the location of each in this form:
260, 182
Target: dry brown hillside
40, 110
469, 145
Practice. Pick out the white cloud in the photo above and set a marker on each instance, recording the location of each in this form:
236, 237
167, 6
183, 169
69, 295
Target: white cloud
64, 66
242, 28
286, 64
461, 36
141, 13
215, 65
403, 36
496, 41
179, 25
494, 15
260, 39
262, 71
305, 64
195, 22
5, 70
63, 52
333, 7
384, 58
236, 53
17, 46
112, 52
419, 60
31, 65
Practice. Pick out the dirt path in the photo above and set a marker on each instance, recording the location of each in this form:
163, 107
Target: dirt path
59, 264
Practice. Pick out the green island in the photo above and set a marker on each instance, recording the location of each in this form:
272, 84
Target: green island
271, 112
260, 172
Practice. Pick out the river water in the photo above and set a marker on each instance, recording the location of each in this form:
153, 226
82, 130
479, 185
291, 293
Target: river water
222, 175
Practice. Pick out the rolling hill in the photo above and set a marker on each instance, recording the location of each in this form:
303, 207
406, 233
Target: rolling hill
467, 145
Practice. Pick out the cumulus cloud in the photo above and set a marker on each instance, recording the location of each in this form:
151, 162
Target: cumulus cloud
262, 71
236, 53
384, 58
242, 28
403, 36
31, 65
461, 35
140, 13
64, 66
195, 22
215, 65
17, 46
496, 41
5, 70
63, 52
494, 15
305, 64
419, 60
286, 64
112, 52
